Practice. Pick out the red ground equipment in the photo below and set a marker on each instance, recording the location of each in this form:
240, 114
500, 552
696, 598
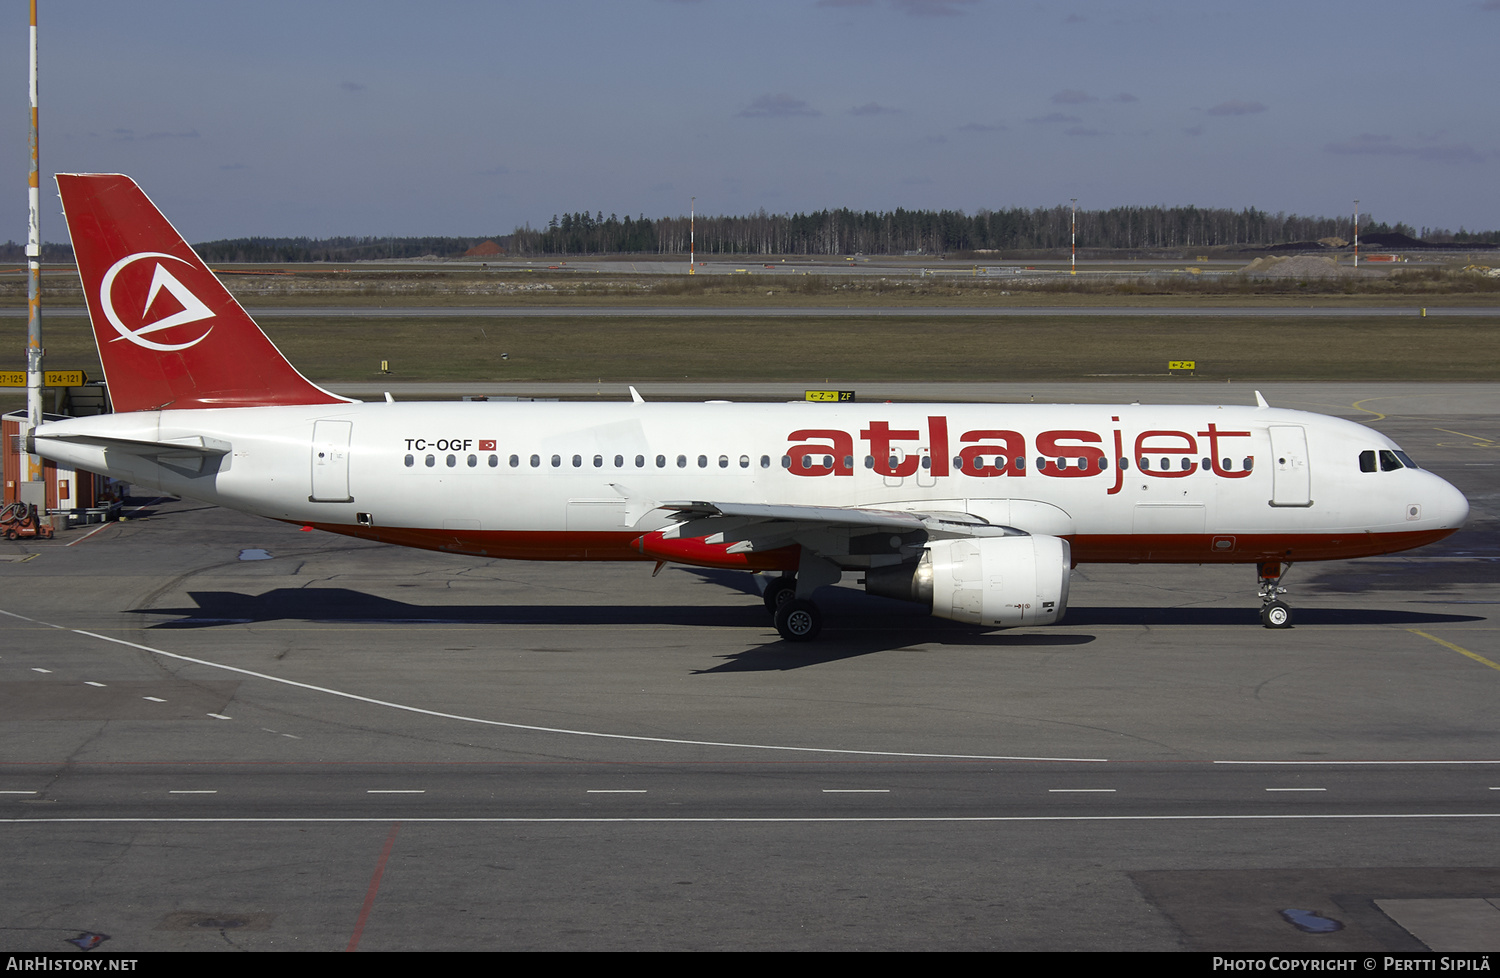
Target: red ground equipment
20, 520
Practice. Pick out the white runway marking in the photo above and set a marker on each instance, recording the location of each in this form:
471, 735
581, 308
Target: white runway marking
502, 820
96, 529
1296, 789
856, 791
552, 730
1356, 763
1081, 791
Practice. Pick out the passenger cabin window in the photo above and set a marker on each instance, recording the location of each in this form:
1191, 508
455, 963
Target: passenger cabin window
765, 461
410, 461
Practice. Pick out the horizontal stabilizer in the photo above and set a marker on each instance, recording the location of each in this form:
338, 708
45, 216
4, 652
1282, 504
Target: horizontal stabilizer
196, 446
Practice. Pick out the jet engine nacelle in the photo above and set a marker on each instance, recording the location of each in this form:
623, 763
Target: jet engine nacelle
1002, 581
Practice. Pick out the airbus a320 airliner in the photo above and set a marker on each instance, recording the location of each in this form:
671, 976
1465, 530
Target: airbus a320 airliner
976, 511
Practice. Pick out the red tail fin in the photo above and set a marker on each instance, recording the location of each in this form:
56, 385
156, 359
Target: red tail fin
170, 335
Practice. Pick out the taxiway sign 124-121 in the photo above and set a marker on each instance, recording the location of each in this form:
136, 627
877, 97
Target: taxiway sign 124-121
977, 511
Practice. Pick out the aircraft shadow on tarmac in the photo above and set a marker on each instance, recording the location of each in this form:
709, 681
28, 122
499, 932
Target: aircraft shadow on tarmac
883, 624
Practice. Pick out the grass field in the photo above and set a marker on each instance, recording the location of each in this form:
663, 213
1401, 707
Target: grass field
464, 286
823, 351
819, 351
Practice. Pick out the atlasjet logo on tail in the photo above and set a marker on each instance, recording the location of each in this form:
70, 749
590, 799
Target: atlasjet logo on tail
193, 310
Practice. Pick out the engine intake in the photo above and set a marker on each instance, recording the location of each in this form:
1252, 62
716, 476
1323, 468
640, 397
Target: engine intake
1001, 581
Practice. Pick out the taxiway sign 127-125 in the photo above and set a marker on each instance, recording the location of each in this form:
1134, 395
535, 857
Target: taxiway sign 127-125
977, 511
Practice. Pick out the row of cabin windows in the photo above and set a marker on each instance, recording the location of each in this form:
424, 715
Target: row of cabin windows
1000, 462
557, 461
1389, 461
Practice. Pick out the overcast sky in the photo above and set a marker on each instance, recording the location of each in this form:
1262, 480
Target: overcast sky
465, 118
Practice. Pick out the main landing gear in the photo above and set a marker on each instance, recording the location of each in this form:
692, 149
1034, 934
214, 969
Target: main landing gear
797, 619
1274, 613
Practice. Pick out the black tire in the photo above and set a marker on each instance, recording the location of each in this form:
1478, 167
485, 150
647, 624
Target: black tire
1276, 614
779, 592
799, 621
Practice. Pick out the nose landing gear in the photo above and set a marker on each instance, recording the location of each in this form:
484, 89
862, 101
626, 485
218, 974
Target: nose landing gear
1274, 613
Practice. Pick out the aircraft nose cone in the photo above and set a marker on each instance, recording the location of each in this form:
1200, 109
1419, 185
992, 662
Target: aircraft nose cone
1449, 506
1445, 506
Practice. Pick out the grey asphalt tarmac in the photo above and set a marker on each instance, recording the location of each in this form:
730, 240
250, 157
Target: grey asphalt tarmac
349, 745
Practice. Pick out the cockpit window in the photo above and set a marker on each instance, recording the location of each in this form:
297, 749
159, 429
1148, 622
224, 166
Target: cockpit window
1389, 460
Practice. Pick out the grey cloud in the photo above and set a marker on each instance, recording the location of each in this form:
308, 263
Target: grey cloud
1372, 144
1236, 107
777, 106
933, 8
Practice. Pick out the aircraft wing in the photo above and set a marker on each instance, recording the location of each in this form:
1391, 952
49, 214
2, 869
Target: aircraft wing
846, 536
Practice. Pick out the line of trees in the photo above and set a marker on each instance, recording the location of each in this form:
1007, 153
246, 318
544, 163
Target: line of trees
843, 231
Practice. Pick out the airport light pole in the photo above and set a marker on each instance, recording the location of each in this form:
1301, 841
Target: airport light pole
33, 277
1073, 270
692, 233
1356, 232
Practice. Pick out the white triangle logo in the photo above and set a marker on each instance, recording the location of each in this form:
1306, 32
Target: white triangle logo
193, 308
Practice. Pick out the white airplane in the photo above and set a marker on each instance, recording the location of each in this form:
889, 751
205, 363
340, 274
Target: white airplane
977, 511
